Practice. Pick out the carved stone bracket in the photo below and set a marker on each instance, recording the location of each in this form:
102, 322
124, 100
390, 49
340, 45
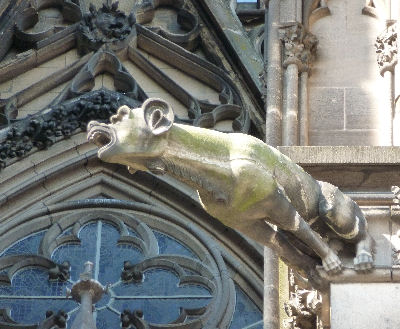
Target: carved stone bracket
386, 49
131, 273
134, 318
54, 320
60, 272
300, 46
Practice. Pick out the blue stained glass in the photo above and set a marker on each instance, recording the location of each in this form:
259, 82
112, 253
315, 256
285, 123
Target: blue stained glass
78, 254
30, 311
112, 256
105, 319
34, 282
168, 245
104, 301
159, 295
160, 310
246, 312
159, 282
28, 245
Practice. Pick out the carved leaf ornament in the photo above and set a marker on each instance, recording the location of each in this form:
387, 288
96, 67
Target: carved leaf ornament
153, 279
104, 36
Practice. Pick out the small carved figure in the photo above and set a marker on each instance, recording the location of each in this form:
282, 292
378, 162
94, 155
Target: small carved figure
60, 272
240, 180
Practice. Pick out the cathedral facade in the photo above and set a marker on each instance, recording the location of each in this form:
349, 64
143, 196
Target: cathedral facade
317, 79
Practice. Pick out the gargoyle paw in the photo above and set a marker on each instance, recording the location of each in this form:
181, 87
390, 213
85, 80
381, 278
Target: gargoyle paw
332, 263
363, 262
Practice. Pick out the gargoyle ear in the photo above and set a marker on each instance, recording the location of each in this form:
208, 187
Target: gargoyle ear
158, 115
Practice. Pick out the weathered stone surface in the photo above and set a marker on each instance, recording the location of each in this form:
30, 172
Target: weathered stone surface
326, 109
366, 305
361, 109
329, 155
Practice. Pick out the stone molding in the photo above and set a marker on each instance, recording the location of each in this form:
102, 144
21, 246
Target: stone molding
386, 49
300, 46
349, 155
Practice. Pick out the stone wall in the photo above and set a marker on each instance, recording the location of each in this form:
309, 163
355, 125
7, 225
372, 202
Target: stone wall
345, 85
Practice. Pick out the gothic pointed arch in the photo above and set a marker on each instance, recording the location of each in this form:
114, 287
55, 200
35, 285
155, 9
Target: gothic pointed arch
70, 188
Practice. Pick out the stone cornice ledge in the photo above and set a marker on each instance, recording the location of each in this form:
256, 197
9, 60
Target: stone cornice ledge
346, 155
376, 275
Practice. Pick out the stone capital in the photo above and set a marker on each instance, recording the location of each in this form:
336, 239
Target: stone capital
299, 46
386, 49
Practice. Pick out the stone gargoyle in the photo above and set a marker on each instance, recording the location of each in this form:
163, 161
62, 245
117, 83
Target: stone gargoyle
240, 180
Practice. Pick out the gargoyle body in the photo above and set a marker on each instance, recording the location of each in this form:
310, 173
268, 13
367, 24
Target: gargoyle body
240, 180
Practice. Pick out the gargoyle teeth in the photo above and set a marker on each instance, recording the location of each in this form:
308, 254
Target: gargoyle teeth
100, 138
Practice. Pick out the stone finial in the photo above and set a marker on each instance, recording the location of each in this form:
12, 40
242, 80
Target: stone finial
386, 49
300, 46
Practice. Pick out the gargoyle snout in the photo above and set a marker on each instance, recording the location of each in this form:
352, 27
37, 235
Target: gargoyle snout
91, 124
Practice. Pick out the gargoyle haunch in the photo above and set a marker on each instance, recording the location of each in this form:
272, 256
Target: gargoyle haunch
240, 180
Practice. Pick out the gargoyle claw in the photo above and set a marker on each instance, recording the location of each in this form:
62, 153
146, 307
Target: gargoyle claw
363, 262
332, 263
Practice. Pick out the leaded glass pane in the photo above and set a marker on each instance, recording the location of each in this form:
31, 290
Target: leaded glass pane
30, 311
33, 282
246, 315
112, 255
168, 245
160, 310
159, 282
29, 245
160, 294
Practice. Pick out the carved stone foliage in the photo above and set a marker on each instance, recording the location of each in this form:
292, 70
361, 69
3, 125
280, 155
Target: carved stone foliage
108, 25
203, 282
300, 46
303, 307
61, 121
386, 49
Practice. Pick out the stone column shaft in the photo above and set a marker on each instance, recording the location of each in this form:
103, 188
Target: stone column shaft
271, 284
386, 50
273, 131
290, 117
386, 115
303, 109
273, 64
299, 49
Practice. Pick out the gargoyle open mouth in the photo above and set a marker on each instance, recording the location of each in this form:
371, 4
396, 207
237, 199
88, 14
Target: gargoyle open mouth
101, 135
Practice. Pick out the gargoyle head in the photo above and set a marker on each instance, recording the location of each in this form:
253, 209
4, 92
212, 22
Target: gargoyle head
134, 136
